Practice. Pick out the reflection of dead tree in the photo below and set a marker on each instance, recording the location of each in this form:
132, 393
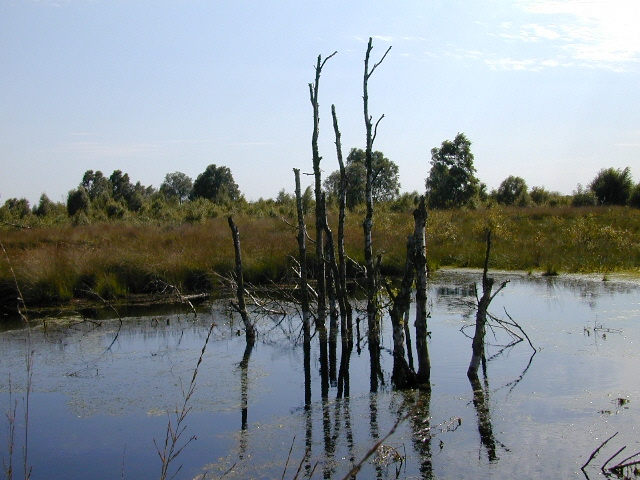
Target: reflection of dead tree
240, 306
244, 396
625, 468
481, 404
481, 316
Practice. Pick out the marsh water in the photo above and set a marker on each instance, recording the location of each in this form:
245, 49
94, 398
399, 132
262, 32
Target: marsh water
102, 392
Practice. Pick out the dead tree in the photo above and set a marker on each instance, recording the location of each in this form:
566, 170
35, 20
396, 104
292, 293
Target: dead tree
420, 265
346, 324
403, 375
304, 292
320, 268
241, 306
477, 345
371, 284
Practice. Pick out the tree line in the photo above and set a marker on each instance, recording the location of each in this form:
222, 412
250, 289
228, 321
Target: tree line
452, 183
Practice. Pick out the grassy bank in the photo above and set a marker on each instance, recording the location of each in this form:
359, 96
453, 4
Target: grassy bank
115, 259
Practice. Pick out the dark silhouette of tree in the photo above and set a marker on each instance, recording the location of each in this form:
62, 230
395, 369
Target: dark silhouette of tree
215, 184
176, 185
121, 188
634, 198
452, 182
78, 201
512, 191
386, 184
612, 186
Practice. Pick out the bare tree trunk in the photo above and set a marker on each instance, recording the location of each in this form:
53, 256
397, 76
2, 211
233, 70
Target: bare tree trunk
241, 306
372, 288
402, 376
320, 321
477, 345
420, 264
320, 268
333, 324
407, 336
304, 292
346, 316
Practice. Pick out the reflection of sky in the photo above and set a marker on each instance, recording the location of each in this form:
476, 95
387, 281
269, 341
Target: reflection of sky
118, 400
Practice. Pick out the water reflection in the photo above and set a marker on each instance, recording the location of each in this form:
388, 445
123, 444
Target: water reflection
418, 402
244, 396
481, 404
139, 378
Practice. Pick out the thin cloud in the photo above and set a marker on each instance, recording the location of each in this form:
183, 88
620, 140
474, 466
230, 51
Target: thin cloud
383, 38
108, 150
592, 33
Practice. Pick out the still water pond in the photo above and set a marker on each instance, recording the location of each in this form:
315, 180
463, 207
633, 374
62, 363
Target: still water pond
96, 411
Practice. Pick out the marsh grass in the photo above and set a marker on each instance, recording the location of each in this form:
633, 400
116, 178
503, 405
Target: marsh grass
54, 264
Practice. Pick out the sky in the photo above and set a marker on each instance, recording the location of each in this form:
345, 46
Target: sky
545, 90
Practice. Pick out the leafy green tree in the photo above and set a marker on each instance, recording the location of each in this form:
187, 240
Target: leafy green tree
284, 198
386, 184
583, 197
176, 185
121, 188
78, 201
452, 181
97, 185
634, 198
612, 186
513, 191
308, 201
18, 207
540, 195
45, 206
215, 184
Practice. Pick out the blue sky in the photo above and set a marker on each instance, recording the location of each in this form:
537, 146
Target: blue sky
545, 90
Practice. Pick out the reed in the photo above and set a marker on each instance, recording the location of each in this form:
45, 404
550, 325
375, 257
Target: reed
120, 258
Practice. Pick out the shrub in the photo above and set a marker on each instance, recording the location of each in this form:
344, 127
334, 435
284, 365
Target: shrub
612, 186
583, 197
